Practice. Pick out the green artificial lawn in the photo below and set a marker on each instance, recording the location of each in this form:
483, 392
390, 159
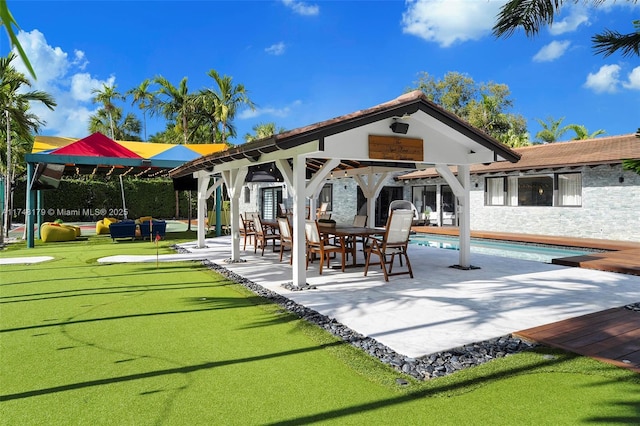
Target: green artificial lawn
177, 344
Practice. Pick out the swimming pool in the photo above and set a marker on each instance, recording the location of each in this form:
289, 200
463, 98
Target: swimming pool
535, 252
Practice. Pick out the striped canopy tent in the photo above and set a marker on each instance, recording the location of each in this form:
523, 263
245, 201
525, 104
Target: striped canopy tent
98, 154
53, 157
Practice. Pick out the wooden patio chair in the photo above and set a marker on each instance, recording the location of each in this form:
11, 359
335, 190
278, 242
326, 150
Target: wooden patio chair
286, 237
359, 221
394, 243
317, 244
321, 212
263, 236
282, 210
247, 232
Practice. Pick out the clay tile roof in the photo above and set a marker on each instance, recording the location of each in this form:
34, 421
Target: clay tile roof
589, 152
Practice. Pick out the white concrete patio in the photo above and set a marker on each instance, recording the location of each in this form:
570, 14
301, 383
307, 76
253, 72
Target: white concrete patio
442, 307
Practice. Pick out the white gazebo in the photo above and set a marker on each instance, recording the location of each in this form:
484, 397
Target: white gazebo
407, 133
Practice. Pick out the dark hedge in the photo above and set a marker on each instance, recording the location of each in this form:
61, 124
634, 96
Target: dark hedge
79, 200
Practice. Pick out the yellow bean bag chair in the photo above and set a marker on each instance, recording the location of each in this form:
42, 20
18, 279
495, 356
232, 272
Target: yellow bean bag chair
54, 232
76, 229
102, 226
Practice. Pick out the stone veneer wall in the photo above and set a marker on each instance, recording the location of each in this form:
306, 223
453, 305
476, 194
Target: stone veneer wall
610, 209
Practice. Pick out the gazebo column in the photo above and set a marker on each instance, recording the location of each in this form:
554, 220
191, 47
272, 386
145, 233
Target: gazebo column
234, 180
203, 184
464, 220
299, 245
371, 188
461, 187
314, 186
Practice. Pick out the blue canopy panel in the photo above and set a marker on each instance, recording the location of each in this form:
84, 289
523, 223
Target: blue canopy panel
177, 153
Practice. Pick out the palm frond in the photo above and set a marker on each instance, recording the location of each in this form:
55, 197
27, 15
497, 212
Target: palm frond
530, 15
609, 42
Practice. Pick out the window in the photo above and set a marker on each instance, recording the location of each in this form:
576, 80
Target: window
494, 192
424, 197
326, 196
569, 189
247, 194
535, 191
271, 197
561, 189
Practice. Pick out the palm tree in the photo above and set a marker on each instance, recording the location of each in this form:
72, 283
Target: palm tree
175, 104
263, 130
144, 98
123, 129
106, 96
551, 130
227, 98
19, 123
206, 118
582, 133
531, 15
514, 138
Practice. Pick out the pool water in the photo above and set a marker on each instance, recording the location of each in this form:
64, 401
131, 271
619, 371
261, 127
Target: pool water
535, 252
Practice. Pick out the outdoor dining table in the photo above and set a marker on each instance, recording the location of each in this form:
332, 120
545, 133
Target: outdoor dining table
346, 231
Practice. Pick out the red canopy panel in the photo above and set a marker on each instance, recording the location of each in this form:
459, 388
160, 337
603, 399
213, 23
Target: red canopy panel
96, 145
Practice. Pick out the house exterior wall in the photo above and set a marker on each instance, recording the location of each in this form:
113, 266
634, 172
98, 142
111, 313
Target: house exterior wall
609, 208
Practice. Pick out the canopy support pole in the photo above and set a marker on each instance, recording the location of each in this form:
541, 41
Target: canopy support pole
30, 206
124, 206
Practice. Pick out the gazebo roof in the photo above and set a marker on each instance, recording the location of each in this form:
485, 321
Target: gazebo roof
443, 128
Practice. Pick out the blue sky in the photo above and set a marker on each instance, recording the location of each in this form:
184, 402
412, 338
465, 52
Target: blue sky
305, 62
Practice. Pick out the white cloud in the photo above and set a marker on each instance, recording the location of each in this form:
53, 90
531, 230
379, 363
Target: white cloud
446, 22
634, 80
58, 74
552, 51
302, 8
577, 16
270, 111
276, 49
82, 85
606, 80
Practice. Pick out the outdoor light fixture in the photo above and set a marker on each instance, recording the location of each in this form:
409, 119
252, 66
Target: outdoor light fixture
398, 127
621, 179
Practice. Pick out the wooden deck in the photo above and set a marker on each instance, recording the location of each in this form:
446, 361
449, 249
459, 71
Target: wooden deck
621, 256
611, 336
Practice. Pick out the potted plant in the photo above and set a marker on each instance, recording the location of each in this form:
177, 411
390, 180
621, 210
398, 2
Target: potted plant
425, 215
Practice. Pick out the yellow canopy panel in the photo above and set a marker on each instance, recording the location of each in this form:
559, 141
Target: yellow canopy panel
47, 143
146, 149
206, 148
